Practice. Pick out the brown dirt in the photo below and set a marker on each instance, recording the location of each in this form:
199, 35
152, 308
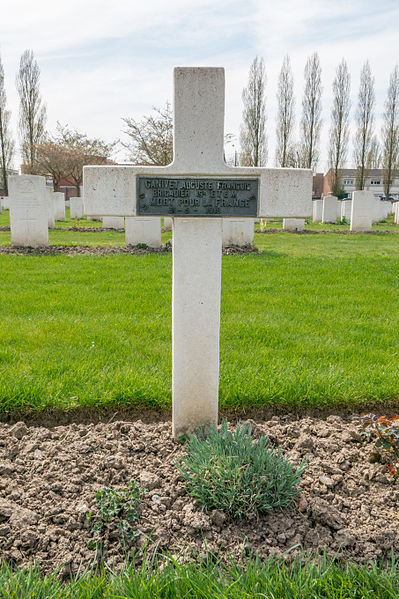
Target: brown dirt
55, 250
50, 475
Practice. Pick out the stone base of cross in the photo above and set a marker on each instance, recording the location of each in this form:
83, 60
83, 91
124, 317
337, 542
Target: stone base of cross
197, 190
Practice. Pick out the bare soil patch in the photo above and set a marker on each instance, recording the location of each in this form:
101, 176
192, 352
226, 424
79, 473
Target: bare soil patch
56, 250
50, 475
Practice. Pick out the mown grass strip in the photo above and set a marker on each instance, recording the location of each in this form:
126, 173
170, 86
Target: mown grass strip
252, 578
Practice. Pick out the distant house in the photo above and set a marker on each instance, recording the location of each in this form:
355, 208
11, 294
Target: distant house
374, 182
318, 183
68, 187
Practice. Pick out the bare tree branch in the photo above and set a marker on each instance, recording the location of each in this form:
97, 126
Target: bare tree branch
390, 132
311, 113
285, 115
32, 111
151, 138
6, 141
364, 121
253, 134
339, 130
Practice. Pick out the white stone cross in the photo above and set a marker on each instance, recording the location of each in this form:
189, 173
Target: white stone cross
197, 241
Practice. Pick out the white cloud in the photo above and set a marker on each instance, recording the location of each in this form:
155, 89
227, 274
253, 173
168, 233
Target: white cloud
101, 61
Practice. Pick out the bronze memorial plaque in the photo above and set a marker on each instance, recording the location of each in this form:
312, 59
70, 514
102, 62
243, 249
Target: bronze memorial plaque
177, 196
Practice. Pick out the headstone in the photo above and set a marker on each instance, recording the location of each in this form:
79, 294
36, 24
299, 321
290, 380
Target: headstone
363, 208
50, 206
167, 223
1, 205
396, 213
293, 224
317, 211
346, 207
76, 207
5, 203
330, 210
146, 230
238, 231
113, 222
59, 205
197, 190
28, 210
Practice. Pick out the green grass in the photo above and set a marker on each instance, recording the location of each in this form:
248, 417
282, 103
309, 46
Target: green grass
311, 321
208, 580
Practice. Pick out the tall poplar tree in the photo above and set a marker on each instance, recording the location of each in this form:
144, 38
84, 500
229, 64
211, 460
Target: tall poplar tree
390, 132
339, 130
32, 110
285, 115
311, 113
253, 129
6, 141
364, 122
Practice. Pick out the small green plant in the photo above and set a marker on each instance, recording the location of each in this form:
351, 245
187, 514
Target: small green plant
386, 431
233, 472
142, 246
342, 221
116, 512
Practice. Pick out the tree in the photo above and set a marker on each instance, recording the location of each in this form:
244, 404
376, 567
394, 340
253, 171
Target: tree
285, 115
6, 142
32, 111
81, 151
52, 158
364, 122
390, 132
152, 138
311, 113
252, 134
339, 130
374, 156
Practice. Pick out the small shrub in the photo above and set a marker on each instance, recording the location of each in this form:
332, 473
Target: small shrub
116, 512
142, 246
342, 221
237, 474
386, 431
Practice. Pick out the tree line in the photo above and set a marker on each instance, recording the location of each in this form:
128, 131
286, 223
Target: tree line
64, 153
368, 151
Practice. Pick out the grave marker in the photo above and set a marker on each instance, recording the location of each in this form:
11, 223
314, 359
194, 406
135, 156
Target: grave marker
142, 229
76, 207
59, 205
198, 172
28, 210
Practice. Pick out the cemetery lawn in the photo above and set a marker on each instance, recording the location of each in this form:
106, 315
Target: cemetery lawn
251, 578
311, 321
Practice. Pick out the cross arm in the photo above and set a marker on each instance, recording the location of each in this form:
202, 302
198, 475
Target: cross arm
283, 192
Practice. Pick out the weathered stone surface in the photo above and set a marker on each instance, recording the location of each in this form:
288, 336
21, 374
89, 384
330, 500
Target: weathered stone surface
143, 230
59, 205
238, 231
362, 211
76, 207
29, 210
330, 209
293, 224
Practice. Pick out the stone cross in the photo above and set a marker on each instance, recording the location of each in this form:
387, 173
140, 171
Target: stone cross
197, 240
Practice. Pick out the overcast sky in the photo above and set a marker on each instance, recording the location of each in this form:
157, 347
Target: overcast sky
102, 60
